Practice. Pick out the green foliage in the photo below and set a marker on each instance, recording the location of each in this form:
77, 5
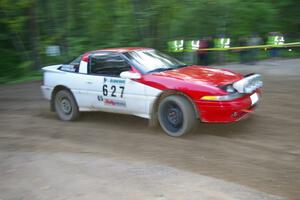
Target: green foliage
29, 26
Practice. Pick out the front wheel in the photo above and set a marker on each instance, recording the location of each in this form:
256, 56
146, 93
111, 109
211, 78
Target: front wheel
65, 106
176, 115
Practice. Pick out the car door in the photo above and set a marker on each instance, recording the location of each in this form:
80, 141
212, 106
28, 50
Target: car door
108, 91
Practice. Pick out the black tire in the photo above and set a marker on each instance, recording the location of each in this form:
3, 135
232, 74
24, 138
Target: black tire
65, 106
176, 115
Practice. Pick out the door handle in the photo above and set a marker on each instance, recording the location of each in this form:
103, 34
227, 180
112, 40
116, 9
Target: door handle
89, 82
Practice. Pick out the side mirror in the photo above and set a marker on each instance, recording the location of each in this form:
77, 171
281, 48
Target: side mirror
130, 75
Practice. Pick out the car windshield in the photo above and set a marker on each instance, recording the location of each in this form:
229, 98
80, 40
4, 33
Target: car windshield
153, 61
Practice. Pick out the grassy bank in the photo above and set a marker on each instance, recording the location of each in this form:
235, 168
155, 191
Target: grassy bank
31, 76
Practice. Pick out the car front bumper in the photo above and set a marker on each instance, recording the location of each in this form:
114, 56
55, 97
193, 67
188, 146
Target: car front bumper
47, 91
226, 111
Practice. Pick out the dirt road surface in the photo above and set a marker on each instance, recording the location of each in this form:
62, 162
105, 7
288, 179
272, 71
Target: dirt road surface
110, 156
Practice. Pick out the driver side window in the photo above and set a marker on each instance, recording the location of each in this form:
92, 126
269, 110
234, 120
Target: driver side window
108, 65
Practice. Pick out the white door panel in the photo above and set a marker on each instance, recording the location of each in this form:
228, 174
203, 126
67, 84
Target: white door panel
111, 94
122, 95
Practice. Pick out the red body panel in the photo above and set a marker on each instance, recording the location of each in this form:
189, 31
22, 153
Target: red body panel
202, 75
225, 111
196, 82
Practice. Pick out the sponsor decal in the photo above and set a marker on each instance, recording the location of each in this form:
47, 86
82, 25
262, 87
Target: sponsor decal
114, 102
100, 98
117, 81
113, 80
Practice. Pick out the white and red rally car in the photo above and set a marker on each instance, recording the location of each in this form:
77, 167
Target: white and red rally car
149, 84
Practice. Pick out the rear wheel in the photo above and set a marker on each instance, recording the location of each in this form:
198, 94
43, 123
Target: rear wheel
65, 106
176, 115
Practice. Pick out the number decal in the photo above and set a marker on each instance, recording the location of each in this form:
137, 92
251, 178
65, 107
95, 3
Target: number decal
105, 90
122, 90
113, 88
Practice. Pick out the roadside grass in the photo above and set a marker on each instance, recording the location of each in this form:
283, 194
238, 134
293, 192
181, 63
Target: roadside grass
30, 76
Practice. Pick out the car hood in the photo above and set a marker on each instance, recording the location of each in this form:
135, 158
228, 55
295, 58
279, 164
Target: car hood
202, 75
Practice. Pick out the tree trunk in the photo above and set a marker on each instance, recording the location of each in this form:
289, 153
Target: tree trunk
34, 36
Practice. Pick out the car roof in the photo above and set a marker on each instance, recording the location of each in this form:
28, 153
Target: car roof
116, 50
121, 49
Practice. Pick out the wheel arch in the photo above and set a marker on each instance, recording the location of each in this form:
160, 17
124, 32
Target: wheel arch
55, 90
153, 121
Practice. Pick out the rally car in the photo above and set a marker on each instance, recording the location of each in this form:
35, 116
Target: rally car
147, 83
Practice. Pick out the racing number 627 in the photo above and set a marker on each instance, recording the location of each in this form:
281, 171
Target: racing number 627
113, 90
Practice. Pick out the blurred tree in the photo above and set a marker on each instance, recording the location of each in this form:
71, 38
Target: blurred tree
260, 20
29, 26
289, 17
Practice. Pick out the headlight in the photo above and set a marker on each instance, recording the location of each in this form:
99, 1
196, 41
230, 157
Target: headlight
248, 84
233, 94
228, 97
229, 88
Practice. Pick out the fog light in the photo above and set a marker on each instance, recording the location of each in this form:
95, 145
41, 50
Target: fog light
235, 114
